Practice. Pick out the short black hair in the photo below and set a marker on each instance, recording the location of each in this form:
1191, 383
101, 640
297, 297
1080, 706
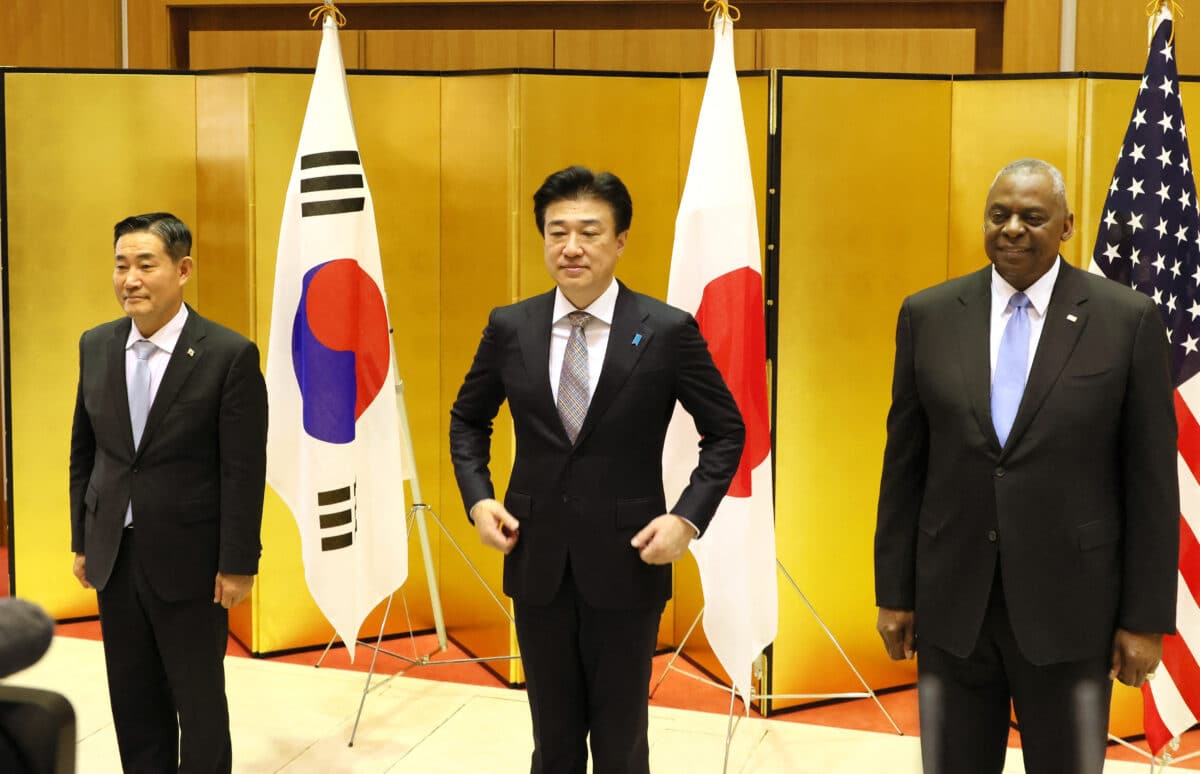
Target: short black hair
170, 229
581, 183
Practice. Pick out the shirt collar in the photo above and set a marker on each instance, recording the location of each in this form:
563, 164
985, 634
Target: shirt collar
166, 337
602, 308
1038, 293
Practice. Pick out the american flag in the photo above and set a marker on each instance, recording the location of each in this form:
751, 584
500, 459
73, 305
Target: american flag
1149, 238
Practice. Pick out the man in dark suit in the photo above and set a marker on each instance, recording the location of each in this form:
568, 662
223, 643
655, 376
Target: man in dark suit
1027, 536
591, 372
168, 458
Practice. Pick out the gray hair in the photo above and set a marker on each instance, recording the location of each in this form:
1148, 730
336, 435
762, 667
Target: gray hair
1033, 166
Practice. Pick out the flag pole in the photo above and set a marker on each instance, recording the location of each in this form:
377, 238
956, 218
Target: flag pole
1111, 263
331, 18
721, 98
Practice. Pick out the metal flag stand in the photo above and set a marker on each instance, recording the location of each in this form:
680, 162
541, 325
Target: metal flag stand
416, 515
731, 727
1156, 764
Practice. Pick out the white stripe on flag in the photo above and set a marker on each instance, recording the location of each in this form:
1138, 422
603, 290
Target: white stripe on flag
1171, 706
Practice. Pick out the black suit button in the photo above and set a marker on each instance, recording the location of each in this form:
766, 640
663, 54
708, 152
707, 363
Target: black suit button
999, 472
135, 469
566, 499
993, 536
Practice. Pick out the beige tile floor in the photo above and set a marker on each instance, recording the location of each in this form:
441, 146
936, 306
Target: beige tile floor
297, 719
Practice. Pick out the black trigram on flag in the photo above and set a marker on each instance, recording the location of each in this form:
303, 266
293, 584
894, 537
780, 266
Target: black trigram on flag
346, 184
336, 509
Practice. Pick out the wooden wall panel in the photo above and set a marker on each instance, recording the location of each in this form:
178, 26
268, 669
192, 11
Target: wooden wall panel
888, 151
890, 51
265, 48
1041, 118
223, 232
479, 215
159, 33
1112, 37
457, 49
61, 33
83, 151
648, 50
1032, 35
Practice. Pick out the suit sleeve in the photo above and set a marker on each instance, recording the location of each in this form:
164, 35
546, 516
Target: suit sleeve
243, 463
83, 455
479, 400
703, 394
1149, 468
905, 458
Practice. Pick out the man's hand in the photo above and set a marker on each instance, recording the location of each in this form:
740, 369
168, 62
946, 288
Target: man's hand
230, 590
496, 526
664, 539
80, 570
1135, 656
897, 630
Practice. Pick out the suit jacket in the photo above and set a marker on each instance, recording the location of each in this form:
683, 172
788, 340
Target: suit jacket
586, 501
197, 479
1081, 506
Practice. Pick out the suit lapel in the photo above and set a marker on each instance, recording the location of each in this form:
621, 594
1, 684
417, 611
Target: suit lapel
117, 388
1065, 321
188, 352
534, 336
628, 338
974, 331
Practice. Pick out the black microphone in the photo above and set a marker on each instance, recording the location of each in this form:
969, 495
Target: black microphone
25, 634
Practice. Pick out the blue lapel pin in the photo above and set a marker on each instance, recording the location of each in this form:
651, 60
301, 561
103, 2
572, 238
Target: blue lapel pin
637, 339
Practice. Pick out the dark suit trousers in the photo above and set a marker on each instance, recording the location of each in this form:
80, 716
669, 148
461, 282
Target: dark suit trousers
1062, 709
165, 661
587, 670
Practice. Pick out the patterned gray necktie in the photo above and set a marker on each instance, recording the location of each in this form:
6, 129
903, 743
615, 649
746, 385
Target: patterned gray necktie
139, 388
573, 395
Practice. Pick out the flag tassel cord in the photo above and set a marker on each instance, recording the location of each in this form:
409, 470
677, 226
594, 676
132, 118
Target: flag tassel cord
723, 10
1157, 10
329, 10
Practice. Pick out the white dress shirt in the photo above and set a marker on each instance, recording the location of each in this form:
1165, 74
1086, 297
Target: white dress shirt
164, 339
595, 332
1039, 298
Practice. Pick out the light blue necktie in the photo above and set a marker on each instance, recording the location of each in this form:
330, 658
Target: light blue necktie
1012, 364
139, 388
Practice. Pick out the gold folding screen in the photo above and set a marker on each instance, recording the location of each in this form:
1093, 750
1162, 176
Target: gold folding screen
81, 152
880, 187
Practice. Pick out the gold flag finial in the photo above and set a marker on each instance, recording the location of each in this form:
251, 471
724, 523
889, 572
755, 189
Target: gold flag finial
319, 13
723, 9
1155, 8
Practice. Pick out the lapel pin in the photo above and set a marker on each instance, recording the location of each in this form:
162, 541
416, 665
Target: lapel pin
191, 352
637, 339
1071, 318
